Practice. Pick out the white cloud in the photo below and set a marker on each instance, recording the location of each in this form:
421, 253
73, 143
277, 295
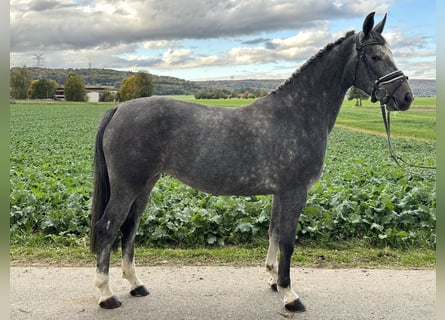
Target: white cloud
150, 34
306, 38
298, 47
250, 55
65, 24
418, 69
161, 44
172, 57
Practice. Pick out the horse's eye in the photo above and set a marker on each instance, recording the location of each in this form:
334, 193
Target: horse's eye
376, 58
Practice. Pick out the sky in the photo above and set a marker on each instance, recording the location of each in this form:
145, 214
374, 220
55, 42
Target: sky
211, 39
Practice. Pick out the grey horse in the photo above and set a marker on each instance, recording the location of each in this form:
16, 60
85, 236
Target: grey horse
276, 145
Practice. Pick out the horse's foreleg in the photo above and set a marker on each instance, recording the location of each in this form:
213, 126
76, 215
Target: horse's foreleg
291, 205
274, 231
129, 229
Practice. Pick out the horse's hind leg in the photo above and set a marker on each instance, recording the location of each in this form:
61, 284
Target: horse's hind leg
291, 203
129, 229
274, 231
107, 231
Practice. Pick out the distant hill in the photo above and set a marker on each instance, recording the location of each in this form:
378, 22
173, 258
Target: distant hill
113, 79
423, 87
175, 86
99, 77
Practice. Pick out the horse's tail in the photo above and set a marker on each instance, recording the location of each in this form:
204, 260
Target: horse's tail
101, 193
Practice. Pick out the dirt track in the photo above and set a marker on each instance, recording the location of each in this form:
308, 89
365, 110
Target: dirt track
224, 293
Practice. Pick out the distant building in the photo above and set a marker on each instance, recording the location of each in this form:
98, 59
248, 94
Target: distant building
93, 96
60, 93
93, 92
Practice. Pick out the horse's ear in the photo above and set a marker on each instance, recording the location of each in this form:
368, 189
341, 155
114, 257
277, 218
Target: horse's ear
368, 24
381, 25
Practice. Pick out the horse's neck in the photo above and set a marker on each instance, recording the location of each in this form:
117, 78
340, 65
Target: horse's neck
322, 83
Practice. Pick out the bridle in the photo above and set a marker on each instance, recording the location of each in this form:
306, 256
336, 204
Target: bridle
394, 78
380, 93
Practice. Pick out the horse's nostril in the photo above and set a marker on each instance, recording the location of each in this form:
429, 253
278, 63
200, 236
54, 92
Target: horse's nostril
408, 98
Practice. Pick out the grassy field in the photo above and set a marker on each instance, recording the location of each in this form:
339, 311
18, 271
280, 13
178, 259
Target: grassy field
418, 123
51, 173
342, 256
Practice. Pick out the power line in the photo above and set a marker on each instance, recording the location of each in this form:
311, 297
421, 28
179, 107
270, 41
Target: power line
39, 58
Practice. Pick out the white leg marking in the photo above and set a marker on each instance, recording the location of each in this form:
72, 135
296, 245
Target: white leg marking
101, 283
271, 261
129, 273
289, 294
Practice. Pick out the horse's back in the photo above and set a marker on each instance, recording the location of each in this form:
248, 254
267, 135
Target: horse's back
200, 145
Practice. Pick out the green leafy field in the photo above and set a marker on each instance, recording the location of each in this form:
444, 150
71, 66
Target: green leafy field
361, 197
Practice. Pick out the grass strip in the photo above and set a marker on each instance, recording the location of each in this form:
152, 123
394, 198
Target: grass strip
304, 256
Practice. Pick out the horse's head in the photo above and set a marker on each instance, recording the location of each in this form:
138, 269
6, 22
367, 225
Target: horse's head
376, 72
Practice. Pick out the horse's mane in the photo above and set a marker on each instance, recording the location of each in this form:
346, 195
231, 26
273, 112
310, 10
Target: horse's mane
315, 58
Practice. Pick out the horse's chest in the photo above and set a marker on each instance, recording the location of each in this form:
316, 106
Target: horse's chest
304, 161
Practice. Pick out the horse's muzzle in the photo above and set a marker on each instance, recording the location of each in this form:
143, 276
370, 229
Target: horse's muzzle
394, 104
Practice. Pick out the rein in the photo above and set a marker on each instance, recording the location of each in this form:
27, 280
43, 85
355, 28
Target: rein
386, 115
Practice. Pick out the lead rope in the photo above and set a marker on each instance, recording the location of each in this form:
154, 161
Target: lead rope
387, 121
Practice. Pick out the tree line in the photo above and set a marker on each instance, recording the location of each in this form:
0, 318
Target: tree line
22, 86
164, 85
137, 85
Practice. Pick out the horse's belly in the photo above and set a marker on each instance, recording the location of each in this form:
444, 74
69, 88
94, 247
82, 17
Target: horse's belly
245, 173
225, 182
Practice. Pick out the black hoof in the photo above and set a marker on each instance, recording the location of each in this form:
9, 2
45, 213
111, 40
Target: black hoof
110, 303
274, 287
295, 306
140, 291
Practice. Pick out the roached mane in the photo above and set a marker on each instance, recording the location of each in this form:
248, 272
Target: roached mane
315, 58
